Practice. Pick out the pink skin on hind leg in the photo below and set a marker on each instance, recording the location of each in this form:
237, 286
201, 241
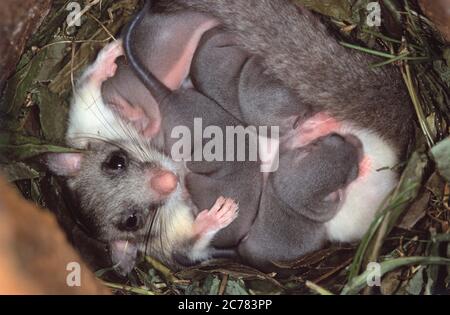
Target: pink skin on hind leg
222, 213
105, 67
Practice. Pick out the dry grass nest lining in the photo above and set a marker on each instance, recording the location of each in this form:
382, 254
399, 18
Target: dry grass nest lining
409, 238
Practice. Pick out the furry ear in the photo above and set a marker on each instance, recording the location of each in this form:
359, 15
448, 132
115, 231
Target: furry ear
64, 164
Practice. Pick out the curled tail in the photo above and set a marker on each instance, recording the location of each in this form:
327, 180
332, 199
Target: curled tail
156, 87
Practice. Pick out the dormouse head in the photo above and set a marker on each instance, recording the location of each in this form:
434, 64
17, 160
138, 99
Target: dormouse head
121, 188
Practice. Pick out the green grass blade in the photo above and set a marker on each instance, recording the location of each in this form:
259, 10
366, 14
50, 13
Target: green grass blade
360, 282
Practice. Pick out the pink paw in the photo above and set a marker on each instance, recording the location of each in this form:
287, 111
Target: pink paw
222, 213
105, 65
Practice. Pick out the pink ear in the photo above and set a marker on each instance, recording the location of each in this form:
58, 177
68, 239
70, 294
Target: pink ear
173, 41
64, 164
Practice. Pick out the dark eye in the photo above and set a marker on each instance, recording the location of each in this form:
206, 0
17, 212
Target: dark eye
117, 161
131, 223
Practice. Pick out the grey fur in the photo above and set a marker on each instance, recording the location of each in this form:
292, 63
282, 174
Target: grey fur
324, 77
105, 197
298, 49
296, 199
265, 62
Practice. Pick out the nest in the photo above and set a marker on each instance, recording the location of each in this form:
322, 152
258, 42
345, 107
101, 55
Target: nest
409, 238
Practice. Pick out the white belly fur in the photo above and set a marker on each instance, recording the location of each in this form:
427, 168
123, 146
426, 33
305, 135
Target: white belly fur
364, 196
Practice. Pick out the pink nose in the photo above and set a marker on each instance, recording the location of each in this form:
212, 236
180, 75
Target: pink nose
163, 182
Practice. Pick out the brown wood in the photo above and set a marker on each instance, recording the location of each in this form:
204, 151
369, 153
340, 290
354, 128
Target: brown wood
34, 252
439, 12
18, 20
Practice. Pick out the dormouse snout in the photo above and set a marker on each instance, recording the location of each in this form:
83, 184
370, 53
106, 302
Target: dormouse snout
357, 144
349, 146
163, 182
